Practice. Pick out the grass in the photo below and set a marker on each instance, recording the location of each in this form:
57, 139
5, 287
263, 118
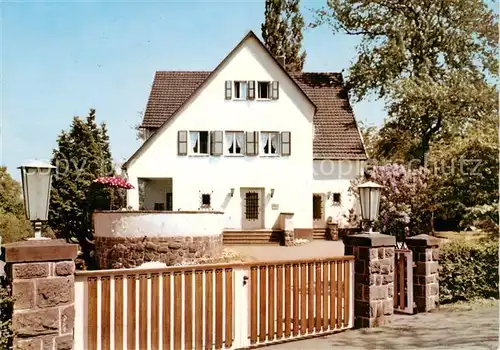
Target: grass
465, 235
469, 305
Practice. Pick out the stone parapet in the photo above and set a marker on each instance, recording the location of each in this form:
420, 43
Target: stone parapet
425, 250
373, 277
125, 252
41, 274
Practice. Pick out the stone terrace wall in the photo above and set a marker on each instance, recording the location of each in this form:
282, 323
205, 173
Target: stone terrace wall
120, 252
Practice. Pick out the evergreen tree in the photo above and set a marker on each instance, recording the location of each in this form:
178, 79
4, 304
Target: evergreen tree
82, 155
282, 32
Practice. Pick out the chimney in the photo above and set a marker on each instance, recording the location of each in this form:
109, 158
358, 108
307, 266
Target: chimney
281, 60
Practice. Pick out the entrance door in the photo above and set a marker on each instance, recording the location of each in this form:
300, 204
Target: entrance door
319, 210
252, 205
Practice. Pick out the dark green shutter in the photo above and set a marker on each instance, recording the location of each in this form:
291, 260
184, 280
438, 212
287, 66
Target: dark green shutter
182, 142
229, 89
251, 90
286, 143
275, 90
216, 143
252, 143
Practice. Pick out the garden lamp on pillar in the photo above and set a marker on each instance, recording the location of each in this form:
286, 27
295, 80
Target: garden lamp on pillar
369, 195
36, 178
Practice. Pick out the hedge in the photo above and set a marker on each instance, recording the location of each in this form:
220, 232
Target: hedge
468, 270
6, 304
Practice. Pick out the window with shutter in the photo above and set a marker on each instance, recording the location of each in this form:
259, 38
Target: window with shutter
252, 143
286, 143
182, 143
216, 143
251, 90
228, 90
275, 90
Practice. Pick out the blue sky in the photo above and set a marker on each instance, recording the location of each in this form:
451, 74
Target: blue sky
58, 59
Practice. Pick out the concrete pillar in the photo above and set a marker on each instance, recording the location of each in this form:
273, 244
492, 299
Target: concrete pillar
373, 277
425, 250
41, 274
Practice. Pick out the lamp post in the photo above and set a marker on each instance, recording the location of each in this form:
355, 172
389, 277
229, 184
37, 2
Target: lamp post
36, 178
369, 194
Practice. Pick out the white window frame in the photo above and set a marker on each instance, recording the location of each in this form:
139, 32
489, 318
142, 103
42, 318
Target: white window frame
190, 146
269, 91
244, 96
262, 144
242, 148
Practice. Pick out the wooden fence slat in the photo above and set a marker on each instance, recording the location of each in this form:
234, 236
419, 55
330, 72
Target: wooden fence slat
347, 292
105, 313
279, 301
318, 298
118, 312
166, 313
310, 297
229, 308
155, 313
325, 296
271, 303
303, 299
143, 311
209, 299
402, 281
131, 311
396, 280
333, 289
253, 305
288, 291
339, 294
177, 310
219, 308
262, 303
188, 309
92, 313
296, 286
199, 309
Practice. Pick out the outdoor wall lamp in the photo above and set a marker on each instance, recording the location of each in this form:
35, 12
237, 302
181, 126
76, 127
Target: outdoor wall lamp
232, 192
369, 194
272, 192
36, 179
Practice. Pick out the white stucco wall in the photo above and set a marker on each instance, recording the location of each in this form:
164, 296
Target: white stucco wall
335, 176
159, 224
192, 175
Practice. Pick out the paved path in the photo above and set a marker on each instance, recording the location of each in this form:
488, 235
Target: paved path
313, 249
476, 329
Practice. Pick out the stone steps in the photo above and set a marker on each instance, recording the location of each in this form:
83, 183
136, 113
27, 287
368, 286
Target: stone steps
251, 237
319, 233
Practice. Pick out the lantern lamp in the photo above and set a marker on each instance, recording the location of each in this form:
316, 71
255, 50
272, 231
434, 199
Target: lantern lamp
36, 179
369, 194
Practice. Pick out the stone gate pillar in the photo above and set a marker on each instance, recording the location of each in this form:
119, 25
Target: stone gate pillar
425, 250
373, 277
41, 274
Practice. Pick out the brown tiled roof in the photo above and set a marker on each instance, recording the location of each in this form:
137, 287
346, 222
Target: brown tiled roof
336, 136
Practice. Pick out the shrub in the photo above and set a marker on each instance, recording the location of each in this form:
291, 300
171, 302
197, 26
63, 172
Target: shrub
6, 304
469, 270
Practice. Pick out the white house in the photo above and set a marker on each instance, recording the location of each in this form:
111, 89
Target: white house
251, 140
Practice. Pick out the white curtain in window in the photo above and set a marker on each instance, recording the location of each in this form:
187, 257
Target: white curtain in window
194, 137
229, 140
274, 142
243, 90
264, 139
239, 140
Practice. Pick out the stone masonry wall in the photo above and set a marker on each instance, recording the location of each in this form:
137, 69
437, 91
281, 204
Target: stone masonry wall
373, 278
44, 304
121, 252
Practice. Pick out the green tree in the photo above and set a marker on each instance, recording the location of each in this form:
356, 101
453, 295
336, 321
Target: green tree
431, 61
81, 156
13, 223
282, 32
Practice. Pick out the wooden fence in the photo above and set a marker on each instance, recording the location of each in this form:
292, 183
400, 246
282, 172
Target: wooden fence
224, 306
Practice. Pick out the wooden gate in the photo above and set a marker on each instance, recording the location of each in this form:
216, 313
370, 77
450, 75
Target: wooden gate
222, 306
403, 281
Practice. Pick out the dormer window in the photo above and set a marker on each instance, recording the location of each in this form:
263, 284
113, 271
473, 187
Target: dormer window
240, 90
264, 90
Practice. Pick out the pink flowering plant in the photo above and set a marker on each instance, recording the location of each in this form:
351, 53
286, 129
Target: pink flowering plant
403, 201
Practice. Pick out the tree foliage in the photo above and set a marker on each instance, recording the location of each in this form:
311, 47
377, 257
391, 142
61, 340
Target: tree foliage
402, 202
81, 156
13, 223
282, 32
432, 61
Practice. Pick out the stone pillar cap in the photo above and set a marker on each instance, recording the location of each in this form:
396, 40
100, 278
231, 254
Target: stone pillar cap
422, 240
373, 239
39, 250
